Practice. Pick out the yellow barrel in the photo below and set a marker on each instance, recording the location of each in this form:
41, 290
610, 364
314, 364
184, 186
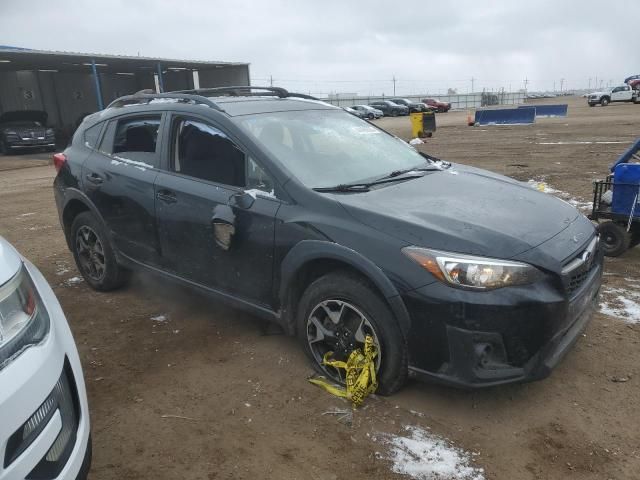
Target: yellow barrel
417, 130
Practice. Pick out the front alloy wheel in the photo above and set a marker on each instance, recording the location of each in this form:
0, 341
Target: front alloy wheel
339, 327
90, 253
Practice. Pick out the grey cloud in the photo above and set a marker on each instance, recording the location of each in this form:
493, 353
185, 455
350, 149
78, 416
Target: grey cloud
353, 46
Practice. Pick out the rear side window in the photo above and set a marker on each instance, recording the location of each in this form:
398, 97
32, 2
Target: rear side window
91, 135
133, 138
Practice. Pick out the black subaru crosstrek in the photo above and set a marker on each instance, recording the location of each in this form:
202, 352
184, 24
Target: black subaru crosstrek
310, 217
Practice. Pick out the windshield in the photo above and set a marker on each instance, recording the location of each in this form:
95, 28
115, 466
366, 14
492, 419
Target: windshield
324, 148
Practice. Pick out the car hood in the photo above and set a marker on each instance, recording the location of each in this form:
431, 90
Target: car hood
24, 116
10, 261
599, 93
463, 209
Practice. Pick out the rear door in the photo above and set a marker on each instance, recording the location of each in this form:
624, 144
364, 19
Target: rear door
119, 179
211, 231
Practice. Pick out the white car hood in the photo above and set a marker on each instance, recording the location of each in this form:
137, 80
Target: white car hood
599, 93
10, 261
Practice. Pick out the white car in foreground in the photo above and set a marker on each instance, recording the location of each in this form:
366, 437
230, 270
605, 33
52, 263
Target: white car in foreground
44, 419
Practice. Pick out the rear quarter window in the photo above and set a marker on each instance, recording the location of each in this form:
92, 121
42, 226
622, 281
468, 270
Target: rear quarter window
92, 135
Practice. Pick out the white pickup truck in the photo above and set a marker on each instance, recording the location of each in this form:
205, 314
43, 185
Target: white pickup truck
622, 93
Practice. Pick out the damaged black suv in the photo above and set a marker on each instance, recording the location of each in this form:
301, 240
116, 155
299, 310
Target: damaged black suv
322, 222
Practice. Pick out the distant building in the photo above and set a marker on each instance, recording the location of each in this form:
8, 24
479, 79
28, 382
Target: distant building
70, 85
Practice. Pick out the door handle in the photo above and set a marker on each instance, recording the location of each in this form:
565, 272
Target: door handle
94, 178
166, 196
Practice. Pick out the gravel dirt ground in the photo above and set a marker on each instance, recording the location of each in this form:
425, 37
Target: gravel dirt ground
182, 387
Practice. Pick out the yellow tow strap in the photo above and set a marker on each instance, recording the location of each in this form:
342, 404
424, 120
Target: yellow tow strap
360, 374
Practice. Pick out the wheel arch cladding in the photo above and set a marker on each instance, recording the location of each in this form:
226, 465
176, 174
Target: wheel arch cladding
310, 259
71, 210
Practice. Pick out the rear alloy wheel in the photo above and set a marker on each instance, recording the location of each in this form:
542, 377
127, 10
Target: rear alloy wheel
94, 254
614, 238
336, 313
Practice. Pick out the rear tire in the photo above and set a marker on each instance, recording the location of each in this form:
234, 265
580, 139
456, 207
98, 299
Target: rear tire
94, 254
615, 238
352, 291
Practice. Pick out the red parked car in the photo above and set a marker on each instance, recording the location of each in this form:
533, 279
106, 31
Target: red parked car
441, 106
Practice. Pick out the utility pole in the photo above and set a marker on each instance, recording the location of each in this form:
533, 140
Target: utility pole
561, 84
554, 85
472, 82
271, 80
394, 85
526, 82
589, 83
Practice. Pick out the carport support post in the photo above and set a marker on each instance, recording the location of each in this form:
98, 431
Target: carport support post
160, 82
96, 80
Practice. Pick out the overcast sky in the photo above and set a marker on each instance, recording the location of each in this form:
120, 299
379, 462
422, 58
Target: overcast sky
358, 46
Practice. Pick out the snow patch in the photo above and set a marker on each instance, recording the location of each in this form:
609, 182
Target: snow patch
160, 318
424, 456
73, 281
254, 192
416, 141
28, 214
139, 165
621, 303
545, 188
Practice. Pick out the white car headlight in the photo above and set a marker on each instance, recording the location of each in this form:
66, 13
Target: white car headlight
467, 271
23, 319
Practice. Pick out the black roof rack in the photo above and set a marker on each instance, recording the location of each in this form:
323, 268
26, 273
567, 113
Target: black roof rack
246, 91
202, 95
138, 98
237, 91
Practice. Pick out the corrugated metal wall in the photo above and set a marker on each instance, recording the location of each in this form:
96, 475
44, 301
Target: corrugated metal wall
67, 97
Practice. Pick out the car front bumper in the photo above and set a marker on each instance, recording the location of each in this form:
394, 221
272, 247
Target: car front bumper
26, 144
41, 376
479, 339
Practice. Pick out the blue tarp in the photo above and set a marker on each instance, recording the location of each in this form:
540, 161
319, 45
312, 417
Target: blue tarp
550, 110
506, 116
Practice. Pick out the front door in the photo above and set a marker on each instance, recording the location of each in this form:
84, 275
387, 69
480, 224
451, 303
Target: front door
119, 179
211, 232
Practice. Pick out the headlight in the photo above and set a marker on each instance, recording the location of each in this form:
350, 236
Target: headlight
23, 319
49, 131
466, 271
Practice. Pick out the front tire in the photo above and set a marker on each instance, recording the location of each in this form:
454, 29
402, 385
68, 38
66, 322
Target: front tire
371, 116
615, 238
94, 254
604, 101
336, 312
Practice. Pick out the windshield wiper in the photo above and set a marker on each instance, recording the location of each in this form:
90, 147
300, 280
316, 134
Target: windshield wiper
366, 186
397, 173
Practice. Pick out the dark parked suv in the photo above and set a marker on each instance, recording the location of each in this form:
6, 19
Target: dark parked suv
389, 108
329, 226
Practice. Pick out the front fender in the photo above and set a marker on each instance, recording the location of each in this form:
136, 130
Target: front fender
309, 250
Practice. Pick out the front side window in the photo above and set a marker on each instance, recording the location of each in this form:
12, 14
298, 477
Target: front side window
324, 148
133, 138
203, 151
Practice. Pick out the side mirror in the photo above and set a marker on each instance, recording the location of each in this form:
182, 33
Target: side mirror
242, 200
